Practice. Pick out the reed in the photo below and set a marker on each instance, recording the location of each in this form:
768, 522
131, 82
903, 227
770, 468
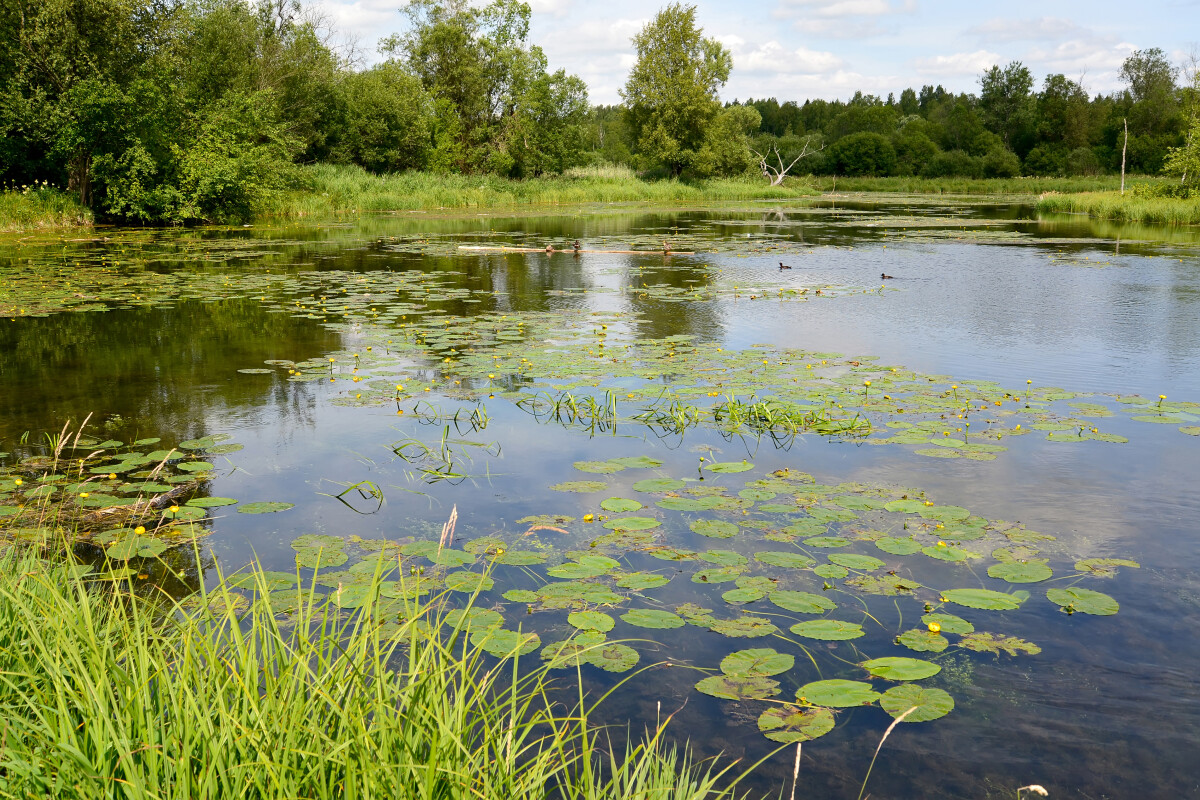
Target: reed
968, 186
34, 208
108, 693
1124, 208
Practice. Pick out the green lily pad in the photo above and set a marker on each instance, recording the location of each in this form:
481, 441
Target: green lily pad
740, 596
136, 547
756, 495
802, 602
638, 581
613, 657
886, 585
717, 574
949, 623
636, 462
469, 582
264, 508
829, 630
591, 621
983, 598
898, 546
653, 485
652, 618
599, 467
632, 523
474, 618
1190, 430
318, 540
791, 724
1104, 567
854, 561
944, 513
923, 640
739, 687
900, 668
519, 558
1085, 601
757, 661
505, 643
714, 528
724, 558
930, 703
1021, 572
944, 552
837, 693
211, 502
581, 487
743, 627
520, 596
726, 467
994, 643
195, 466
618, 505
827, 541
831, 571
778, 558
314, 557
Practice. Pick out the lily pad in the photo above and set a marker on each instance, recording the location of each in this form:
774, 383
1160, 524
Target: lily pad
652, 618
636, 462
591, 621
854, 561
837, 693
637, 581
1104, 567
802, 602
632, 523
757, 661
613, 657
211, 502
474, 618
830, 630
993, 643
923, 640
1021, 572
653, 485
930, 703
791, 724
264, 508
743, 627
599, 467
778, 558
195, 466
314, 557
739, 596
898, 546
831, 571
948, 623
505, 643
739, 687
618, 505
726, 467
1085, 601
983, 598
900, 668
714, 528
581, 487
468, 582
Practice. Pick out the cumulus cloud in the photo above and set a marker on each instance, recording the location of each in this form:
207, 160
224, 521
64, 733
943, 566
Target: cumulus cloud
957, 64
772, 57
1003, 29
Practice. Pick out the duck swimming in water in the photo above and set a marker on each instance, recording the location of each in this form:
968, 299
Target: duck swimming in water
783, 265
885, 277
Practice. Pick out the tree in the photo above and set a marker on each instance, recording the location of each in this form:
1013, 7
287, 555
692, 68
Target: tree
1005, 100
388, 121
863, 154
671, 92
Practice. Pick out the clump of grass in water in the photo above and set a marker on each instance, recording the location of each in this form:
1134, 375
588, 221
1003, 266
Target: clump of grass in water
107, 694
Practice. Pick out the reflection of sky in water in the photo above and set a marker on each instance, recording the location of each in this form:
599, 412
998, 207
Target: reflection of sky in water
1108, 706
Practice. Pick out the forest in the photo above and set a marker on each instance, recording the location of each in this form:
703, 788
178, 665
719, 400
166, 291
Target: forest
167, 111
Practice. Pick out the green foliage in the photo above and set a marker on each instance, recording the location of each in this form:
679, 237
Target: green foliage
863, 154
389, 120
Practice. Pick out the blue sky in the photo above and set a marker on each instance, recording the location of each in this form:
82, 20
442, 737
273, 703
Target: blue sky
800, 49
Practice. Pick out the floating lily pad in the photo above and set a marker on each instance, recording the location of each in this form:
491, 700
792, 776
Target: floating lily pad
136, 547
923, 640
827, 541
791, 724
518, 558
468, 582
900, 668
632, 523
994, 643
757, 661
837, 693
830, 630
948, 623
898, 546
256, 371
591, 621
1104, 567
195, 466
653, 485
613, 657
581, 487
263, 508
315, 557
944, 552
887, 585
714, 528
756, 495
505, 643
802, 602
930, 703
474, 618
743, 627
854, 561
831, 571
726, 467
717, 574
636, 462
1085, 601
724, 558
520, 596
600, 467
739, 687
652, 618
983, 598
1021, 572
639, 581
740, 596
211, 502
778, 558
619, 505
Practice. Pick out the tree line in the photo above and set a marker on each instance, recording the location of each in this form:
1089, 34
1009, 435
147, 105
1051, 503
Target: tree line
179, 110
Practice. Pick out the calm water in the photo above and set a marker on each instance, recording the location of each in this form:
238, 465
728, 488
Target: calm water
1109, 708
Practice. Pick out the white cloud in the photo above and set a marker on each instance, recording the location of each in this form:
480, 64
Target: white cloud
957, 64
1005, 29
774, 58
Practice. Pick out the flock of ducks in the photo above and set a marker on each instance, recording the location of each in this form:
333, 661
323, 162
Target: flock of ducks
883, 276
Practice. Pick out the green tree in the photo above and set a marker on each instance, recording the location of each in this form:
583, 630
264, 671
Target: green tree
1006, 101
863, 154
389, 120
671, 92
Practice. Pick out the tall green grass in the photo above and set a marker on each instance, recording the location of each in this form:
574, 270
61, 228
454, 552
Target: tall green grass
107, 693
1125, 208
332, 189
39, 208
975, 186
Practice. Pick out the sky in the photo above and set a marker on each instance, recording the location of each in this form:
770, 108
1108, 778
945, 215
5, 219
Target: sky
805, 49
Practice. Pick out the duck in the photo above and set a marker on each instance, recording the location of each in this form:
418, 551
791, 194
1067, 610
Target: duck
784, 266
883, 276
575, 246
666, 248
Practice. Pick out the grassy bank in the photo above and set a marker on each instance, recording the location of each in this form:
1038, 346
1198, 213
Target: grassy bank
1126, 208
40, 209
108, 694
347, 190
976, 186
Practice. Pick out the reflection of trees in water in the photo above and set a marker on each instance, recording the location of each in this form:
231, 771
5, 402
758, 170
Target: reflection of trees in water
162, 370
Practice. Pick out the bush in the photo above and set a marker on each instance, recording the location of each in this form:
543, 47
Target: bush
1001, 163
1083, 161
863, 154
1044, 161
953, 164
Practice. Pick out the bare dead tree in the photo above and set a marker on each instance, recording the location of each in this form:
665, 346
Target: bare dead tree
776, 174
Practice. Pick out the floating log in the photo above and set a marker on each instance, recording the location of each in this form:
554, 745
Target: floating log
486, 249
